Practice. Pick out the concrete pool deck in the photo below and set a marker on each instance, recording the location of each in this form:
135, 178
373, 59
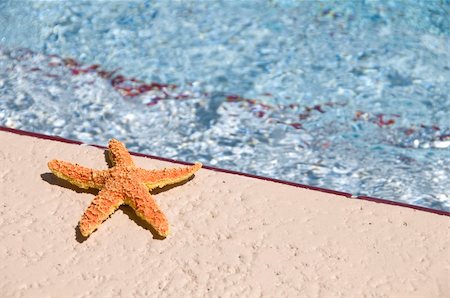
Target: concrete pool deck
231, 235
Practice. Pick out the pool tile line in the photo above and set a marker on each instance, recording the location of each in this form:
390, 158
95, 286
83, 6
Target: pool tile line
294, 184
388, 202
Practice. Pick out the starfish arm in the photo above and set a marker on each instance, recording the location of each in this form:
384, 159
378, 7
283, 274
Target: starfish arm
103, 205
119, 154
160, 178
80, 176
146, 208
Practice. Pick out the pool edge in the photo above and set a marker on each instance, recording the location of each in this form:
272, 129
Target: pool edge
290, 183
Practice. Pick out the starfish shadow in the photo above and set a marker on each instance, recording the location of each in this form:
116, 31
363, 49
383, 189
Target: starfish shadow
53, 180
78, 236
108, 159
128, 211
168, 187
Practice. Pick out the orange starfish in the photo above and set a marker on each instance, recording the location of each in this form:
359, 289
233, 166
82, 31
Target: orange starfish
124, 183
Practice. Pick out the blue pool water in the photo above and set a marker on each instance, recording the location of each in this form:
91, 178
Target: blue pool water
352, 96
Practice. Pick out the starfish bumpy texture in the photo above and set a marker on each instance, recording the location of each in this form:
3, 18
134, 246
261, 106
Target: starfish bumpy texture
124, 183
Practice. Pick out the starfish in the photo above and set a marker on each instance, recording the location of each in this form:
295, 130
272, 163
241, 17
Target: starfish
123, 183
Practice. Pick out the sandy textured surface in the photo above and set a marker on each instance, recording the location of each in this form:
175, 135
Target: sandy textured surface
230, 236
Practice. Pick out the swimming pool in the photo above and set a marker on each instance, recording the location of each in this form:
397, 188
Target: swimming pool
348, 96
